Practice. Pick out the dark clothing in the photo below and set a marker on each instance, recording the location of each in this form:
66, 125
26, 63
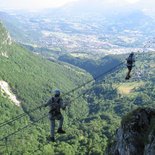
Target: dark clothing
129, 68
130, 63
130, 60
52, 125
55, 105
55, 116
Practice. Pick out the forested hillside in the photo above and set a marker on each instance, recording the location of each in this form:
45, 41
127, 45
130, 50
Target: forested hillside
94, 67
31, 79
91, 119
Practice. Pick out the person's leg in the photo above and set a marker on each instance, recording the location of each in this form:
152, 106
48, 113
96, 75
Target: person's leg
60, 130
61, 122
128, 73
52, 127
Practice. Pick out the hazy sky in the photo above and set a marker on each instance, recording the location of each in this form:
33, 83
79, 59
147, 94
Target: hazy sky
32, 4
40, 4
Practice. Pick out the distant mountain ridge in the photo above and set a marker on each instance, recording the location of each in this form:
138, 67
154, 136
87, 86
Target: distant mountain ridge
131, 19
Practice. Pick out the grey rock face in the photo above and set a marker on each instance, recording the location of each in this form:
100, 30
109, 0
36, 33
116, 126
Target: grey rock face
135, 137
150, 147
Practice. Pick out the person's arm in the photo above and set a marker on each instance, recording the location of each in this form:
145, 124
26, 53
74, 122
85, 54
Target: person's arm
48, 103
63, 105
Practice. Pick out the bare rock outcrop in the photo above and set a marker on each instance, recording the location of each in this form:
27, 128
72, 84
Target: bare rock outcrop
136, 135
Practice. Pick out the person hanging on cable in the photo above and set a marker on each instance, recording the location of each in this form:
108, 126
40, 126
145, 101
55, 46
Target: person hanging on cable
56, 104
130, 63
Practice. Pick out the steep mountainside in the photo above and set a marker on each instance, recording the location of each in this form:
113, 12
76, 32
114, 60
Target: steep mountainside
22, 69
30, 79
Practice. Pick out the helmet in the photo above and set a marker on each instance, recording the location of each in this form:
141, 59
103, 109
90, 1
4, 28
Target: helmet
132, 53
57, 92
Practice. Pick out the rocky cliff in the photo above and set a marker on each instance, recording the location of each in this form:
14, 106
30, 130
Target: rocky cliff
136, 136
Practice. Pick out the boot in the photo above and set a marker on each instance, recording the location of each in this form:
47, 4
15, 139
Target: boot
127, 78
61, 131
51, 139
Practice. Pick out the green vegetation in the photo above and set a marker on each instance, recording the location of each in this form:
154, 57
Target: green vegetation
94, 67
90, 120
32, 78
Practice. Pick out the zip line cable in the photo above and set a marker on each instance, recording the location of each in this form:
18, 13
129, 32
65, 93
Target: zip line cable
73, 100
87, 92
18, 117
73, 90
11, 134
32, 123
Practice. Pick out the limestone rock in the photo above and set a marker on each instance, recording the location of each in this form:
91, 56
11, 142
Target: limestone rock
135, 136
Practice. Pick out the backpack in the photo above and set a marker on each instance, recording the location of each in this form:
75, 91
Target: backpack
55, 106
129, 60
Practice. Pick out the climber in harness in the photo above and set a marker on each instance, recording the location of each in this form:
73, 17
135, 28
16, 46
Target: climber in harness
55, 104
130, 63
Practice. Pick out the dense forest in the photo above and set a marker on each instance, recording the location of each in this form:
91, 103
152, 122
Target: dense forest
95, 111
94, 67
